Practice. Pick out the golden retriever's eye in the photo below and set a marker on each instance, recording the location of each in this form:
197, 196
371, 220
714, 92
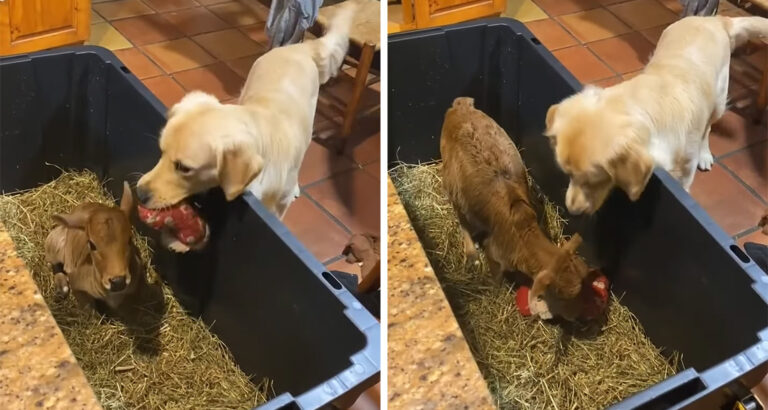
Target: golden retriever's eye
92, 245
181, 168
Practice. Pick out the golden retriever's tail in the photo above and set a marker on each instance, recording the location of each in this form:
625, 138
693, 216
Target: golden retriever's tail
331, 48
743, 29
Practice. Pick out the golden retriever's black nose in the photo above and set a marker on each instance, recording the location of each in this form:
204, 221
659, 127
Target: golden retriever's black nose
143, 194
117, 284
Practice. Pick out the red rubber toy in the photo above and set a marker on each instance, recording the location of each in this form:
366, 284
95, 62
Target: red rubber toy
181, 220
595, 298
521, 297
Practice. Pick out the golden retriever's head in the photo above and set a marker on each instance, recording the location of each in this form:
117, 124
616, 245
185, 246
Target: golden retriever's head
560, 283
599, 147
203, 145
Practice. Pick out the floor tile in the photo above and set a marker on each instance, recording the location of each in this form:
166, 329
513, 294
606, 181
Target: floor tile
674, 6
166, 89
643, 14
653, 34
751, 166
228, 44
626, 53
551, 34
594, 25
122, 9
726, 200
235, 14
216, 79
212, 2
257, 33
162, 6
195, 21
353, 198
147, 29
733, 132
374, 168
139, 64
242, 66
608, 82
320, 163
633, 74
583, 64
724, 5
104, 35
523, 10
95, 17
560, 7
100, 1
609, 2
178, 55
734, 12
367, 150
316, 231
756, 237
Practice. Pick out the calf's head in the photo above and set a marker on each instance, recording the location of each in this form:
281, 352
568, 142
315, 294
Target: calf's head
560, 283
108, 233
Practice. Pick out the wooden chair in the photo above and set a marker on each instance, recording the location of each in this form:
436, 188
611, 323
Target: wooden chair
758, 8
762, 98
363, 54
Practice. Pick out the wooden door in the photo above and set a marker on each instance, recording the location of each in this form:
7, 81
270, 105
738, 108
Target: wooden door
33, 25
429, 13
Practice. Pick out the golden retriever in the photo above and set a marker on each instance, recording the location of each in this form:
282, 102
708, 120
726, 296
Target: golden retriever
257, 144
615, 136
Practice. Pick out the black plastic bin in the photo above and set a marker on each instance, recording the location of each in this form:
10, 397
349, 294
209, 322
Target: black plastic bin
269, 300
691, 287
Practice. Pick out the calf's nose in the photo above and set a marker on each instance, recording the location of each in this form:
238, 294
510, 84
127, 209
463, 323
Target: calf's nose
117, 283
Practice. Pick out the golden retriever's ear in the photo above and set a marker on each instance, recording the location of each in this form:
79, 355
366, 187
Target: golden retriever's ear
631, 170
75, 220
192, 100
126, 202
237, 168
551, 113
540, 283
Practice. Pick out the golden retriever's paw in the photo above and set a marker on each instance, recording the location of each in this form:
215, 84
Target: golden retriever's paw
706, 160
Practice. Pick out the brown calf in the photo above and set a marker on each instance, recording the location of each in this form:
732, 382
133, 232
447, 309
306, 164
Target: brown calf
91, 253
486, 182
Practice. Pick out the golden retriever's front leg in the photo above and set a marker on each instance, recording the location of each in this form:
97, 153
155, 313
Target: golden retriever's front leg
706, 160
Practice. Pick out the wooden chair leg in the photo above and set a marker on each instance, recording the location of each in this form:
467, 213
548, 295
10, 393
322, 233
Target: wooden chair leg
366, 58
371, 281
762, 98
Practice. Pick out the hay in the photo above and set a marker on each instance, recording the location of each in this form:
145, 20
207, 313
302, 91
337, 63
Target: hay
151, 354
527, 363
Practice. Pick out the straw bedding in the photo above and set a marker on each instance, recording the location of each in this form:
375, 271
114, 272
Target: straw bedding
150, 354
528, 363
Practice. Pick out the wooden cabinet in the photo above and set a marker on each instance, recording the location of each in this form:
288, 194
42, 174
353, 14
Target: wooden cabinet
33, 25
417, 14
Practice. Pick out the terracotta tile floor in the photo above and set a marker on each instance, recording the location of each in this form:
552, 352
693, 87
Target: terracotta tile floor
175, 46
608, 41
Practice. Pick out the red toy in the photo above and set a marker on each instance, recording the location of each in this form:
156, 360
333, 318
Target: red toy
595, 300
181, 222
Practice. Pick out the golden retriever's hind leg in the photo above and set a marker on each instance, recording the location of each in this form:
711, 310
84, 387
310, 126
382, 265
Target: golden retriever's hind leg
706, 160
